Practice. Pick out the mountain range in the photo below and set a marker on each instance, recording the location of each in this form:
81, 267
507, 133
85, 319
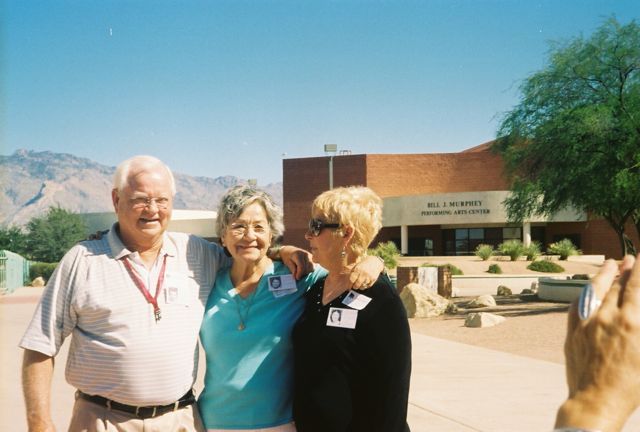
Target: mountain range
31, 182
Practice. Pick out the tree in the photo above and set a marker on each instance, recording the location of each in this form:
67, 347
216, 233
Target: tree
50, 236
13, 239
574, 137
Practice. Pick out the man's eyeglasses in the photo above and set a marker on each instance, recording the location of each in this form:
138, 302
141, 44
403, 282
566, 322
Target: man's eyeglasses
143, 202
317, 225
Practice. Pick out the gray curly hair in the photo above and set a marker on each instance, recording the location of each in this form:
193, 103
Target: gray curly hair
239, 198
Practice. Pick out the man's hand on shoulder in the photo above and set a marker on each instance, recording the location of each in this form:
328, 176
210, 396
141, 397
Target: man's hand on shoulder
366, 272
97, 235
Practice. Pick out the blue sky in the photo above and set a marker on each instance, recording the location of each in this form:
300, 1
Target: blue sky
231, 87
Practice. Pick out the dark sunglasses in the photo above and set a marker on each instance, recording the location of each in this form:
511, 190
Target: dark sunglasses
316, 226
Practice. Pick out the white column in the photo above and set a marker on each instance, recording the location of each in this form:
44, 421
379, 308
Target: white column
404, 239
526, 233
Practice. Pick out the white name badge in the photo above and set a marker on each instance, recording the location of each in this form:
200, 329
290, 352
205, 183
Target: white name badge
177, 289
355, 300
340, 317
281, 285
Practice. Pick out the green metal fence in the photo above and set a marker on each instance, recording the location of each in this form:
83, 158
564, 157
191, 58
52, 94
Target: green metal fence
14, 271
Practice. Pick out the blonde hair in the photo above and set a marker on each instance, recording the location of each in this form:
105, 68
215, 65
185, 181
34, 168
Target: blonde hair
356, 206
138, 164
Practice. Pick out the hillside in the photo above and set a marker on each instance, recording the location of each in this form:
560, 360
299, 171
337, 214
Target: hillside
31, 182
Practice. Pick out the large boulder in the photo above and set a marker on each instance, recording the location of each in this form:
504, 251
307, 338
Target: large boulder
483, 319
38, 282
421, 302
485, 300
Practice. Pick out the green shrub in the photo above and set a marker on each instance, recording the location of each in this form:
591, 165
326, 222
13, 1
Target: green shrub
484, 251
495, 269
388, 252
546, 267
532, 251
514, 249
455, 271
43, 269
565, 248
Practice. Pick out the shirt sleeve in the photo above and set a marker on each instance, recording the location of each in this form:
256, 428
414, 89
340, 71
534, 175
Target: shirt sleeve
55, 318
391, 345
216, 256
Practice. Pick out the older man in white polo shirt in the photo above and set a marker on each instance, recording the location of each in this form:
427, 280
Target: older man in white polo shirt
133, 302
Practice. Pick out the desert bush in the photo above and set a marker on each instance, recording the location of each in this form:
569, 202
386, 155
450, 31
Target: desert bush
546, 267
43, 269
532, 251
455, 271
495, 269
514, 249
484, 251
565, 248
388, 252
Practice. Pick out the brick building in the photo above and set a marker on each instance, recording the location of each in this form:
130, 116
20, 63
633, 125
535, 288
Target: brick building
436, 204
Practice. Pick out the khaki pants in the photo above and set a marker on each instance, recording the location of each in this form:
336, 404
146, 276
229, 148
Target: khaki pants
90, 417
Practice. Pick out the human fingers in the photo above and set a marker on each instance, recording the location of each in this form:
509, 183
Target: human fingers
358, 279
631, 284
602, 281
297, 260
593, 293
612, 296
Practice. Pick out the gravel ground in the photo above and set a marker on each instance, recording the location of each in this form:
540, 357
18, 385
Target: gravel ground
533, 328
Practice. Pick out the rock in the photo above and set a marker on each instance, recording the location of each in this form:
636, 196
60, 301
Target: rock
483, 319
421, 302
504, 291
38, 282
580, 277
452, 309
485, 300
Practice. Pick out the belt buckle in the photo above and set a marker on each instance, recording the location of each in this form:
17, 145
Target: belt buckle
140, 415
154, 411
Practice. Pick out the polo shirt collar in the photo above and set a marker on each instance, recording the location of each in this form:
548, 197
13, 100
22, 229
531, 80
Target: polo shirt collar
120, 251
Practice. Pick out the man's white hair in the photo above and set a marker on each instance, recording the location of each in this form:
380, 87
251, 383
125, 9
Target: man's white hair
139, 164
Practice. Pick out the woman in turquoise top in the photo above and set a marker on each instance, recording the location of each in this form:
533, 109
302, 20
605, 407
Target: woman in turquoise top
250, 313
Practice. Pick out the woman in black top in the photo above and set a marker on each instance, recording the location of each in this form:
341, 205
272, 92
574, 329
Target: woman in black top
352, 348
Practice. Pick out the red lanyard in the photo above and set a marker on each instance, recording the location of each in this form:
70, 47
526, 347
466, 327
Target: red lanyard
143, 289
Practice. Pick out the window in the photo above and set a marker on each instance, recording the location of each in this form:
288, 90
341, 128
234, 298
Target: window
464, 241
511, 233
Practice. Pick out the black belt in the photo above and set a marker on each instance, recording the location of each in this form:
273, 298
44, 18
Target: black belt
142, 412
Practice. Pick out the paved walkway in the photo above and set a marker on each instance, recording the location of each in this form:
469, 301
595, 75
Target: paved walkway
454, 387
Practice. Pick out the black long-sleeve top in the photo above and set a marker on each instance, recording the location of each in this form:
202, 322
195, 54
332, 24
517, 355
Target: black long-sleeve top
353, 379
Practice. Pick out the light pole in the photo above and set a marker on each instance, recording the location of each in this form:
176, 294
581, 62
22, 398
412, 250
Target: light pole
331, 150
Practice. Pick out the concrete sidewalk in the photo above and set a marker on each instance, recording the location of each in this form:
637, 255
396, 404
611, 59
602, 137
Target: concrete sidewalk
454, 387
